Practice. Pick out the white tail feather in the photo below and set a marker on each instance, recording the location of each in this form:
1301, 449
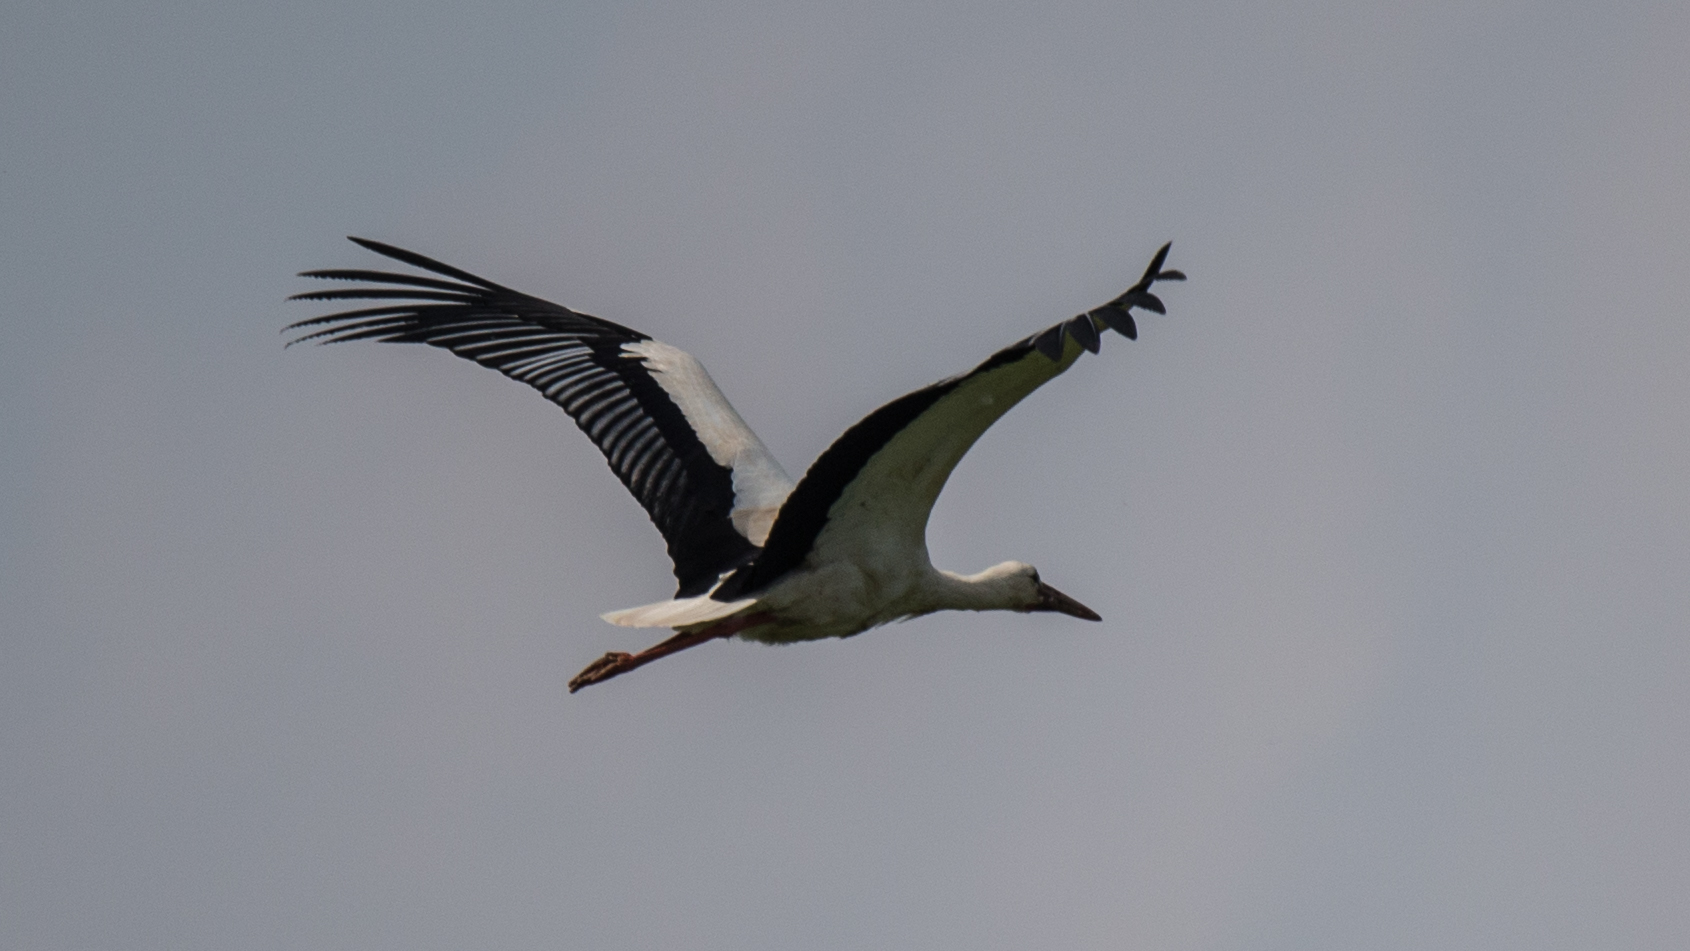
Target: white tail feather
678, 613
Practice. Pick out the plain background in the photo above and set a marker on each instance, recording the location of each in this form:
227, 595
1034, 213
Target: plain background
1387, 517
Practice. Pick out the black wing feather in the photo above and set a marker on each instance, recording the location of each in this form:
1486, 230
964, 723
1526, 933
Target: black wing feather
574, 360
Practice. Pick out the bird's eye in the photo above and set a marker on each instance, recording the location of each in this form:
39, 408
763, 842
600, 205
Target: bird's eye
1035, 576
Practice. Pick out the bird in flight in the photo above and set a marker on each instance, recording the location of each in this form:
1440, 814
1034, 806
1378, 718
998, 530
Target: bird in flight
756, 555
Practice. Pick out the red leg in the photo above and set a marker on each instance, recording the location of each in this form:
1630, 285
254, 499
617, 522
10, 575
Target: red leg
617, 662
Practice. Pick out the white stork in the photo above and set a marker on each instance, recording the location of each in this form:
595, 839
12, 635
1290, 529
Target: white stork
756, 555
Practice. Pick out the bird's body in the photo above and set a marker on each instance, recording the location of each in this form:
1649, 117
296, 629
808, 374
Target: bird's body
842, 598
756, 555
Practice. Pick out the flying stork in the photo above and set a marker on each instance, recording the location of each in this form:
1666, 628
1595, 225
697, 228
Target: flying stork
756, 555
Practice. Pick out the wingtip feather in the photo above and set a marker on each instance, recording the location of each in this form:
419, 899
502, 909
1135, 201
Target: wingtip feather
1050, 343
1156, 264
421, 261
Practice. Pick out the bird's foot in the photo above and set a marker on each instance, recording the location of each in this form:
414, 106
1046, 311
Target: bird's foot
604, 668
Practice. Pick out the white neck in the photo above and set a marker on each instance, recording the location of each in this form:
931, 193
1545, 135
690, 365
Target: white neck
998, 588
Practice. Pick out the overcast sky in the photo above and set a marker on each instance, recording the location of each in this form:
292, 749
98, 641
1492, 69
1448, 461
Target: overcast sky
1387, 517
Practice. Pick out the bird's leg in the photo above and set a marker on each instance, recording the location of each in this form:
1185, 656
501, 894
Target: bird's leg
617, 662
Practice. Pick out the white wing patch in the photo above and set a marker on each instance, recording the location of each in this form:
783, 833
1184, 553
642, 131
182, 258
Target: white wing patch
760, 484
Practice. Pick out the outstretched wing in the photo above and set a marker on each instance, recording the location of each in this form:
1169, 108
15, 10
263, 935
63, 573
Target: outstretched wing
871, 492
669, 434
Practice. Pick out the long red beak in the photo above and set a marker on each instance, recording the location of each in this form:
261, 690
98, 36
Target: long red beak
1051, 599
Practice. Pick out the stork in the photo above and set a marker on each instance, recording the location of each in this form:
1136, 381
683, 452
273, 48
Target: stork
756, 555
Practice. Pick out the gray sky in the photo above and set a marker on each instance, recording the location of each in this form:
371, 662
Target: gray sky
1387, 518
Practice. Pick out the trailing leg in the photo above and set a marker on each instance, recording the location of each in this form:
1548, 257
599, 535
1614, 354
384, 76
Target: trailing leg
616, 663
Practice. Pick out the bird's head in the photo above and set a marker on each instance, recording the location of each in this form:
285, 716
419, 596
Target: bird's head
1025, 592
